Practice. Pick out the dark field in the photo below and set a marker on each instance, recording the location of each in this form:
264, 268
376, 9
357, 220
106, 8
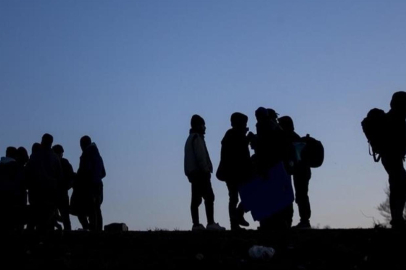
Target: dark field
295, 249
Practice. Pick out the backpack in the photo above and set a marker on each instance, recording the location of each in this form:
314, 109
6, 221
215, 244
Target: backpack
374, 129
313, 152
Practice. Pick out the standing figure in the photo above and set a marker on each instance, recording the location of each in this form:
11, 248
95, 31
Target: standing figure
301, 176
235, 166
392, 156
43, 173
198, 169
68, 175
88, 186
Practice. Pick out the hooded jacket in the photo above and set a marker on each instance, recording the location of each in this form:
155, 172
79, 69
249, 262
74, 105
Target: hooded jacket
91, 167
235, 156
197, 157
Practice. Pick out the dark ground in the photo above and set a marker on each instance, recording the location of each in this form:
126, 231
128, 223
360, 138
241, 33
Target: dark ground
295, 249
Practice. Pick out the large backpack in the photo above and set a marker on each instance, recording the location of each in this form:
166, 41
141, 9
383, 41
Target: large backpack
313, 152
374, 128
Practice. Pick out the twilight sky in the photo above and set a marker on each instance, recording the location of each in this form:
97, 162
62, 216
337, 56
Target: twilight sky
130, 74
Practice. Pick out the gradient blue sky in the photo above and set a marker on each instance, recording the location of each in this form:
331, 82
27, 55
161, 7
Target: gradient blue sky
131, 74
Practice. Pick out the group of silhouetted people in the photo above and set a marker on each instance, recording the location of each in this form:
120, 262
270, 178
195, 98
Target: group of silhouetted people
34, 189
274, 142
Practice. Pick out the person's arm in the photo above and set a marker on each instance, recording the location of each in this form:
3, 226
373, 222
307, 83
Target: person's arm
200, 153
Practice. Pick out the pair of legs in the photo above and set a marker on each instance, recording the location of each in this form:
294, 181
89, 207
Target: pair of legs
301, 179
201, 189
235, 209
393, 165
281, 220
43, 216
63, 208
94, 220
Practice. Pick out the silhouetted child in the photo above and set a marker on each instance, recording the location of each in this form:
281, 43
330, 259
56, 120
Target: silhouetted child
68, 176
198, 169
301, 176
235, 166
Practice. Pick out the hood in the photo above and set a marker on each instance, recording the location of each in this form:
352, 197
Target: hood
91, 150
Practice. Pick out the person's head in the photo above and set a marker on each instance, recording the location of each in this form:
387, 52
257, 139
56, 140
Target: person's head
286, 123
398, 103
261, 114
239, 121
272, 115
198, 125
22, 155
11, 152
47, 141
58, 150
85, 141
36, 147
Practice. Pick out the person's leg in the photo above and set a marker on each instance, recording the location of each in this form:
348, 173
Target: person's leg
240, 214
397, 187
31, 217
196, 199
95, 218
99, 212
63, 206
301, 182
46, 217
288, 216
208, 196
84, 222
232, 204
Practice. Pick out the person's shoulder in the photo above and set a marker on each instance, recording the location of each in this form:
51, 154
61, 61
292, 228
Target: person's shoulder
64, 161
191, 136
194, 136
296, 136
229, 134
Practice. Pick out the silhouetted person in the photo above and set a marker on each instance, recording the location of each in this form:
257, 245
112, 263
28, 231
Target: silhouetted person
260, 142
392, 156
235, 166
270, 144
280, 143
22, 159
43, 173
198, 169
68, 175
22, 156
35, 149
89, 186
271, 148
10, 191
301, 176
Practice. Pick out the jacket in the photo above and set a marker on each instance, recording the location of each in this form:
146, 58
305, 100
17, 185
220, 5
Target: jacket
197, 157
